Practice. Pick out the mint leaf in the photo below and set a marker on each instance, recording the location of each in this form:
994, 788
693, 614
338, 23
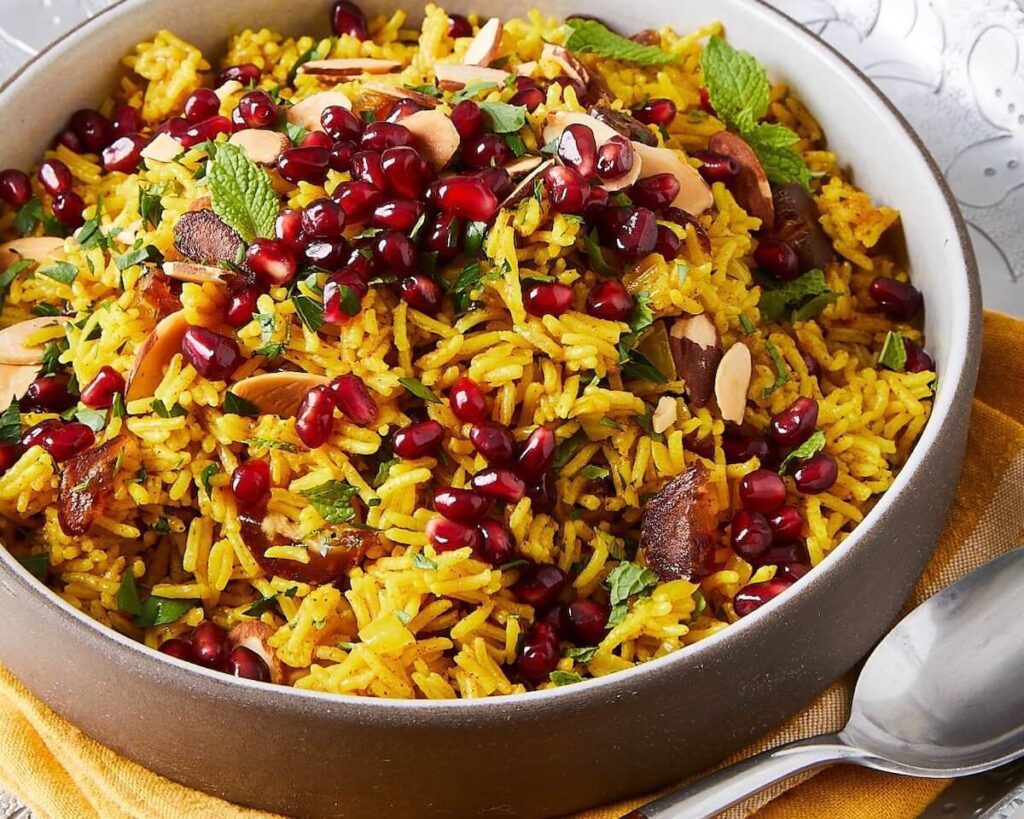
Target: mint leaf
641, 317
333, 500
894, 352
629, 579
242, 193
773, 145
812, 446
268, 443
747, 324
640, 367
128, 594
581, 655
773, 303
561, 678
63, 272
474, 89
151, 207
36, 564
595, 255
416, 387
30, 215
814, 306
593, 472
207, 475
159, 611
781, 371
591, 37
421, 561
503, 118
92, 418
10, 274
261, 605
233, 405
10, 424
736, 82
311, 312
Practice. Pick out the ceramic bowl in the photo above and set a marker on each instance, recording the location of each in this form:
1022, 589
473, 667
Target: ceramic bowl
304, 753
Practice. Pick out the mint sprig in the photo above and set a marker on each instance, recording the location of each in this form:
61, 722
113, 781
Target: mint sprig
894, 352
242, 193
774, 302
812, 446
589, 36
333, 500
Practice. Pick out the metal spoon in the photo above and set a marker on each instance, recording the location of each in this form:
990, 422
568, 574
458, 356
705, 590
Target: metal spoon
940, 696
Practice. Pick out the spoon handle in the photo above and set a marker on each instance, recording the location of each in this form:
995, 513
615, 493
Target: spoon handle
723, 789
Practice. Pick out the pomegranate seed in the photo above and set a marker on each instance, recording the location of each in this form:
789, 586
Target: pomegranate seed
614, 158
637, 235
787, 523
610, 220
328, 254
353, 398
558, 618
587, 621
367, 167
750, 534
418, 440
577, 149
752, 597
250, 483
791, 572
458, 26
246, 73
33, 436
348, 18
468, 197
542, 493
214, 356
497, 544
530, 98
245, 663
201, 104
69, 139
705, 102
405, 171
467, 119
208, 129
340, 157
918, 361
739, 448
547, 299
341, 124
463, 505
659, 111
241, 306
779, 553
485, 151
566, 189
539, 654
717, 167
15, 187
343, 296
67, 440
899, 301
656, 192
99, 393
379, 136
175, 127
443, 236
125, 153
396, 252
668, 244
497, 179
176, 648
271, 261
494, 441
55, 177
92, 128
50, 393
597, 201
315, 418
762, 491
610, 300
537, 454
813, 368
401, 109
778, 259
323, 218
9, 455
258, 109
69, 208
501, 484
794, 425
304, 165
817, 474
398, 214
126, 120
236, 120
358, 199
422, 293
467, 401
448, 535
317, 139
208, 644
539, 584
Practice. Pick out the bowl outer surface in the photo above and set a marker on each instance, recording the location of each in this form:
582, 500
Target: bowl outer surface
303, 753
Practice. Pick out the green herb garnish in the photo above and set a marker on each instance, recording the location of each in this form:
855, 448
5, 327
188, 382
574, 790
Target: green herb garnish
10, 424
159, 611
63, 272
242, 193
561, 678
416, 387
894, 352
589, 36
779, 363
333, 501
502, 118
128, 594
234, 405
421, 561
812, 446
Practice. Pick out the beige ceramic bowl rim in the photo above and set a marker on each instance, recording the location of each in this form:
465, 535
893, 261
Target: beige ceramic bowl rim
628, 679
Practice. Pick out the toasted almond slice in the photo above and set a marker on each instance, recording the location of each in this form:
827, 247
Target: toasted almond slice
573, 67
752, 189
558, 121
524, 164
696, 352
262, 147
400, 92
163, 148
35, 248
453, 75
308, 112
15, 381
13, 346
197, 273
525, 69
153, 356
128, 234
255, 636
227, 89
526, 184
694, 194
732, 382
278, 393
434, 136
484, 47
349, 67
665, 414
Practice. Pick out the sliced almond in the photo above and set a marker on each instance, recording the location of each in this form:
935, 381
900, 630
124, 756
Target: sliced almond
665, 414
308, 112
694, 194
156, 352
262, 147
278, 393
434, 136
127, 235
349, 67
255, 636
163, 148
525, 69
751, 186
697, 352
569, 64
196, 273
227, 89
15, 381
399, 92
526, 185
732, 380
13, 346
524, 164
484, 47
557, 121
678, 531
452, 76
33, 248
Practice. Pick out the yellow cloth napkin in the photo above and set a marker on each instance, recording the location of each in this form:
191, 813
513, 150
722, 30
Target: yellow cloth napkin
59, 772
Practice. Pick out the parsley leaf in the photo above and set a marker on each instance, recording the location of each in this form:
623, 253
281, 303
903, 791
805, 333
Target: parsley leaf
894, 352
595, 255
502, 118
63, 272
161, 409
462, 288
242, 193
30, 215
781, 372
151, 206
812, 446
333, 500
137, 256
10, 424
639, 367
310, 312
590, 36
10, 274
811, 308
641, 317
415, 386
